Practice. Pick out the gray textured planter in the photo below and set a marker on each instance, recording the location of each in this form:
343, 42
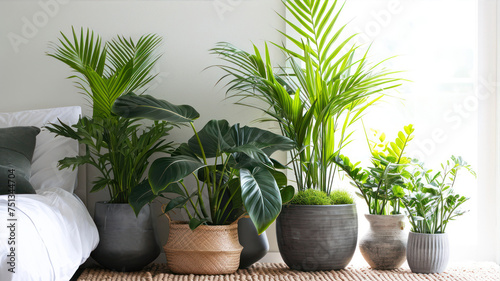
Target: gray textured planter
428, 253
384, 245
127, 242
255, 246
317, 237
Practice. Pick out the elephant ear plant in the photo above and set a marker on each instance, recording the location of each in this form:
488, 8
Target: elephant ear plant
431, 200
231, 164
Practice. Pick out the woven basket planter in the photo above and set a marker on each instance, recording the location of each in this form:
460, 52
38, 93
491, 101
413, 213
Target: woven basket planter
209, 249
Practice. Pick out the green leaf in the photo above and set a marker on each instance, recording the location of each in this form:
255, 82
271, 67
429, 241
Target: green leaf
235, 188
194, 223
100, 184
211, 138
287, 194
145, 106
261, 197
253, 152
167, 170
261, 139
398, 191
140, 196
279, 177
177, 202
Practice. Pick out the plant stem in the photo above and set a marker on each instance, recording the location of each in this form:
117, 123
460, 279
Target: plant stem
191, 201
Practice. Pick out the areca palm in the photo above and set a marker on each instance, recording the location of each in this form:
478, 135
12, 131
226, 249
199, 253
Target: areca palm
104, 72
118, 147
319, 96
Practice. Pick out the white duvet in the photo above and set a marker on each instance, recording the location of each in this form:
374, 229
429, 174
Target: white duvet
54, 234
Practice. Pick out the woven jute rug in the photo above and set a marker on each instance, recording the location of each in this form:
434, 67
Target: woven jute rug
277, 271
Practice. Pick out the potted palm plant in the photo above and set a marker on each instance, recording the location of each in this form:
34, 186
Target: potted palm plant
431, 203
381, 187
119, 148
316, 101
232, 168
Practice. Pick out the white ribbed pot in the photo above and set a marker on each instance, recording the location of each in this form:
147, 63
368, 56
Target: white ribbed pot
428, 253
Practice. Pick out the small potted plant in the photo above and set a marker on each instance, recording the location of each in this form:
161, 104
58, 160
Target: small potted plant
318, 242
232, 168
431, 203
381, 187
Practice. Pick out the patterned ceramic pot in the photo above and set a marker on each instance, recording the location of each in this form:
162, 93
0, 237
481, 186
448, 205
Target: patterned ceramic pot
428, 253
384, 245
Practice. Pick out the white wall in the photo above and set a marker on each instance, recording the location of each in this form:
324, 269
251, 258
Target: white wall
29, 79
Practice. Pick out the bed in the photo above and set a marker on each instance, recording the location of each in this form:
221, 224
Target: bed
52, 230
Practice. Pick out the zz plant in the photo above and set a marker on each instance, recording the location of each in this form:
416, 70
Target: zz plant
431, 201
381, 185
230, 164
319, 97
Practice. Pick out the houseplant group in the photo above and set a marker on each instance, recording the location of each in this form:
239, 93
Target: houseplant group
316, 101
119, 148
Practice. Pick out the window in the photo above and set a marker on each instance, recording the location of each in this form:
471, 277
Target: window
442, 47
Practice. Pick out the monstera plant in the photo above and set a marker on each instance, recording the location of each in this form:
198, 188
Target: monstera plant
230, 164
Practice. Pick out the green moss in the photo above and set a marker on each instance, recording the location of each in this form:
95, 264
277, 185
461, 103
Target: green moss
311, 197
339, 197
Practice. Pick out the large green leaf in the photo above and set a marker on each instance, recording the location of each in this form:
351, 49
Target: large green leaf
142, 194
146, 106
167, 170
255, 153
261, 197
211, 138
250, 136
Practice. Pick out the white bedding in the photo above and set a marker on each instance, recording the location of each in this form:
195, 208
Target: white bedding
54, 234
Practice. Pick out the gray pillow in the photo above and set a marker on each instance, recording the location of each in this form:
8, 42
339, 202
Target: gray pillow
17, 145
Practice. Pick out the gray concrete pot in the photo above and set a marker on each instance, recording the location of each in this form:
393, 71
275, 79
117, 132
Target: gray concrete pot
317, 237
428, 253
127, 242
384, 245
255, 246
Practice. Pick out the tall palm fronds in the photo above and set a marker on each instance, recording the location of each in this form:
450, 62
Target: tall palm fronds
322, 93
118, 147
106, 71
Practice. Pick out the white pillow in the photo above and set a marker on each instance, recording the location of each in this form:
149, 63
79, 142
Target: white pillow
48, 150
